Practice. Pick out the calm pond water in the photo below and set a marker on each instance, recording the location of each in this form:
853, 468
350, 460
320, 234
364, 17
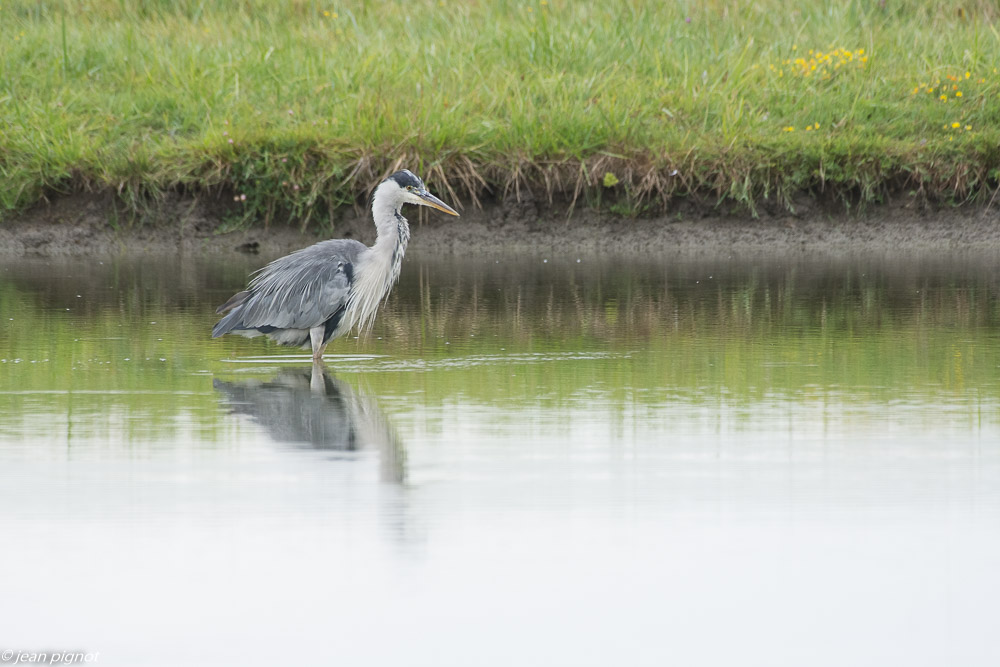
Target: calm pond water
709, 461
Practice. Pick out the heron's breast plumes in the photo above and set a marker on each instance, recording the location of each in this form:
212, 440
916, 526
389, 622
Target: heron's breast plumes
376, 273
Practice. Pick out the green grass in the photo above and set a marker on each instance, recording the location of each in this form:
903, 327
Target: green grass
302, 106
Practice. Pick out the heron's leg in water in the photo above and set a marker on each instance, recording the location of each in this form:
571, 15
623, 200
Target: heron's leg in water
316, 337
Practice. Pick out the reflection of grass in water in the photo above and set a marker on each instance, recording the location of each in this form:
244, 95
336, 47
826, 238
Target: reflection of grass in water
741, 336
746, 336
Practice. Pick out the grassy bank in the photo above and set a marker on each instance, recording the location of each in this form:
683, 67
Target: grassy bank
294, 108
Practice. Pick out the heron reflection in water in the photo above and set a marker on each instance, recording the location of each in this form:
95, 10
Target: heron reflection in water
308, 406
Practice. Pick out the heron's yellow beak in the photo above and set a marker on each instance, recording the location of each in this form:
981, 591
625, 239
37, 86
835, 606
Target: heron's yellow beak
434, 202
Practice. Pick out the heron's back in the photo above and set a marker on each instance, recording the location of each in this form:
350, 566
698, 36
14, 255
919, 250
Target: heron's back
295, 293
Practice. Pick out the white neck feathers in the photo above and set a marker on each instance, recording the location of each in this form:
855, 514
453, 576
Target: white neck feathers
378, 267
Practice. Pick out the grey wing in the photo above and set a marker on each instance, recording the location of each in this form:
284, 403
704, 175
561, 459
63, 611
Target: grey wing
301, 290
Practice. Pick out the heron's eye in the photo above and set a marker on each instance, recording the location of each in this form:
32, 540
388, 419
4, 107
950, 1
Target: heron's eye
410, 188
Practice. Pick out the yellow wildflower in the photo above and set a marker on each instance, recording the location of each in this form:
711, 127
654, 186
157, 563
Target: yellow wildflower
958, 94
790, 128
968, 128
955, 126
943, 98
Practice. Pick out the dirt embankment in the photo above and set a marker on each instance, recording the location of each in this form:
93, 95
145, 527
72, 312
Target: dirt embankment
89, 225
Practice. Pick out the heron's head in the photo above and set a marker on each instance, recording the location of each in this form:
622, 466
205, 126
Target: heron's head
411, 190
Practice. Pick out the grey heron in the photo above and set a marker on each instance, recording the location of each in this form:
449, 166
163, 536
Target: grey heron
319, 293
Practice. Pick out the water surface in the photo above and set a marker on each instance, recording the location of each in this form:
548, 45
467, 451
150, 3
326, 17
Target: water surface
699, 461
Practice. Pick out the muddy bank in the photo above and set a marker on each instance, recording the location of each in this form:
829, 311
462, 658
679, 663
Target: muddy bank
89, 225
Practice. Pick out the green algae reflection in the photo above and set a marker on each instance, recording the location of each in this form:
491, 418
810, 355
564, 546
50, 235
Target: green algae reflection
119, 353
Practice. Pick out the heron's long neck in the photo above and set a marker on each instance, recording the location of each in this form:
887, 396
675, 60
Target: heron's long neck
393, 235
379, 267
